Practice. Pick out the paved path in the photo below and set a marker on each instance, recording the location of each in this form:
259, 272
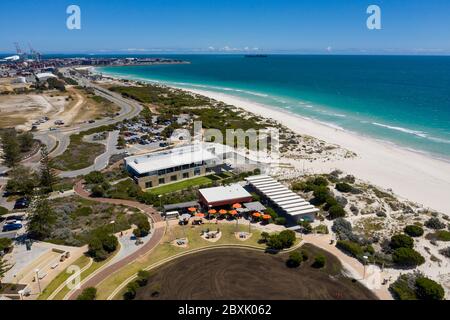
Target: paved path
354, 268
156, 236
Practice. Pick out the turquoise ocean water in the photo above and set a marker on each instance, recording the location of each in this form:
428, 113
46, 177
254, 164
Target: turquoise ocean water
401, 99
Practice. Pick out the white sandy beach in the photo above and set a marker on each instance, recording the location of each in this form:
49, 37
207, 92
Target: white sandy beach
414, 176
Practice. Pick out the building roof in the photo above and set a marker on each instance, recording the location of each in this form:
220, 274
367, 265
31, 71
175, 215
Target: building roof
45, 75
221, 194
286, 200
255, 206
183, 205
169, 158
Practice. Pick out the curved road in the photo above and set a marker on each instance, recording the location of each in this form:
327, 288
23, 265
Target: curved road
157, 235
57, 141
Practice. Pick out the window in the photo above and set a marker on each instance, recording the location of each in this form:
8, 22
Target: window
173, 178
185, 167
148, 185
185, 175
162, 181
197, 172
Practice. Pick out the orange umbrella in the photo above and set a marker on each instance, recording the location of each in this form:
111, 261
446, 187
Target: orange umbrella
233, 212
223, 211
237, 206
212, 211
200, 215
267, 217
192, 209
257, 215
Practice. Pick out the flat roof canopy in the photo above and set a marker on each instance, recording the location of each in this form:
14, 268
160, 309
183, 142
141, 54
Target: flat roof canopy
225, 195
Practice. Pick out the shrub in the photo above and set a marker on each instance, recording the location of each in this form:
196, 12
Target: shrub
94, 177
442, 235
414, 231
280, 221
404, 288
285, 239
407, 257
5, 244
3, 211
88, 294
435, 223
427, 289
401, 241
101, 244
295, 259
320, 181
336, 211
143, 278
344, 187
321, 195
445, 252
319, 262
132, 288
350, 247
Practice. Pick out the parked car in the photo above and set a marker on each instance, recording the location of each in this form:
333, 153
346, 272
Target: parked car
22, 203
12, 227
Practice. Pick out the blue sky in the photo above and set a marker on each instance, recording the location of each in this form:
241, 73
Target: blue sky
314, 26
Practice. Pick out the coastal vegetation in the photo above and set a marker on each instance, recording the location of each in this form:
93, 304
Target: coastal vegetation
76, 222
415, 286
81, 154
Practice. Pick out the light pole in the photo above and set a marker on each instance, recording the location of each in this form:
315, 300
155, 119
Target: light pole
113, 223
21, 292
37, 279
160, 201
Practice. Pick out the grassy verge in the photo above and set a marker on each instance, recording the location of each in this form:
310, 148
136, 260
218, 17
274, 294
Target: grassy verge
182, 185
62, 277
86, 273
166, 250
79, 154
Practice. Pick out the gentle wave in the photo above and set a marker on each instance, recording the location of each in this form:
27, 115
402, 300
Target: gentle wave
420, 134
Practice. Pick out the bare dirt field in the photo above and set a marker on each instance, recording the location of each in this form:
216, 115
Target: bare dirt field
240, 274
71, 107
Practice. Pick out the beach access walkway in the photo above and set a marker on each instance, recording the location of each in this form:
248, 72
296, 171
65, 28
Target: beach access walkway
157, 234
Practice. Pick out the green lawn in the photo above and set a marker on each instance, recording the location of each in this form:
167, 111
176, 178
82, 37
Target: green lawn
182, 185
62, 277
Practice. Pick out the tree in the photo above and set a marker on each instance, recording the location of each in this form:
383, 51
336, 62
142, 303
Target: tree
26, 141
407, 257
319, 262
295, 259
427, 289
48, 177
88, 294
22, 180
143, 278
41, 221
414, 231
121, 143
265, 236
11, 149
401, 241
5, 244
336, 211
281, 221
